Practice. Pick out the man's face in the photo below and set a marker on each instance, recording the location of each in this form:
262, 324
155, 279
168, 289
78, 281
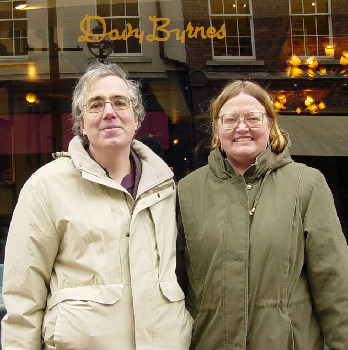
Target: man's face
112, 127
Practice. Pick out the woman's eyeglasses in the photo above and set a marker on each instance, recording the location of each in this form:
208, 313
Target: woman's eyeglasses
230, 121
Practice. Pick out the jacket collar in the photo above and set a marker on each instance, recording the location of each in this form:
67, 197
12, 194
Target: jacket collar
153, 169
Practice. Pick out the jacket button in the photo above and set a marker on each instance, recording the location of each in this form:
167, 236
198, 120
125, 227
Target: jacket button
249, 186
158, 195
127, 234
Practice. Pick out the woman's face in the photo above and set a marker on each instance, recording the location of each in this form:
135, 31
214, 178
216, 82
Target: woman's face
243, 144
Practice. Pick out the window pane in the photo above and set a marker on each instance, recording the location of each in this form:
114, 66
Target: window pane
322, 6
298, 46
21, 28
243, 7
311, 46
133, 42
119, 24
296, 6
244, 26
21, 47
322, 42
132, 8
217, 22
5, 29
232, 46
120, 46
5, 10
133, 45
245, 46
108, 25
219, 47
309, 25
309, 6
134, 22
230, 7
216, 6
323, 25
297, 25
103, 8
118, 8
6, 48
231, 26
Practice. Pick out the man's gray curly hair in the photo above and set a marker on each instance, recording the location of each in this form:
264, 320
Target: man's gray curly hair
92, 73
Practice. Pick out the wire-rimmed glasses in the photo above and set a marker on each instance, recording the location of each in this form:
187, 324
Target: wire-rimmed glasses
230, 121
118, 103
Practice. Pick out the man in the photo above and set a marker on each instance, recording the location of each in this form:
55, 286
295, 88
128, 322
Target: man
95, 232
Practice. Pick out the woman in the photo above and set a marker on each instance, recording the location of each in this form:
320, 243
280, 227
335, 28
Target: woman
265, 256
90, 256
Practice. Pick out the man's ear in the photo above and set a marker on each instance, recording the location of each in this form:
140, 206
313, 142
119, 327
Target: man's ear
82, 127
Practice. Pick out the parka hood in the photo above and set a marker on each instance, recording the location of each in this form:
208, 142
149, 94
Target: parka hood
267, 160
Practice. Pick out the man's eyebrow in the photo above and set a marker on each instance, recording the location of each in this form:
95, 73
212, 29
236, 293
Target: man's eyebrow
94, 98
115, 96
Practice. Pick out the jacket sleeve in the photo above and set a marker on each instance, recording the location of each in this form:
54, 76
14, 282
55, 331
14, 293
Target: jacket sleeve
183, 266
180, 252
326, 257
31, 248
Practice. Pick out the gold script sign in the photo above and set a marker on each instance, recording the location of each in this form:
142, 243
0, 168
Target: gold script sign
159, 31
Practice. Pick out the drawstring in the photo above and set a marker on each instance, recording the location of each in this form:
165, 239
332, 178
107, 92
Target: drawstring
252, 211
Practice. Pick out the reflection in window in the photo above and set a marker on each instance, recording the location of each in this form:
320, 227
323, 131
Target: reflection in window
310, 27
237, 17
121, 15
13, 29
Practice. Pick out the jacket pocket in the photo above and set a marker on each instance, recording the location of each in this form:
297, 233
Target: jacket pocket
172, 291
172, 322
102, 294
83, 318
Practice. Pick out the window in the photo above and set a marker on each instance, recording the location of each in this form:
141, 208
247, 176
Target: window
237, 17
13, 29
310, 27
120, 15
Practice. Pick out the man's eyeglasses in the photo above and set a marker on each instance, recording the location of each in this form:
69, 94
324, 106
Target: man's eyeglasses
230, 121
118, 103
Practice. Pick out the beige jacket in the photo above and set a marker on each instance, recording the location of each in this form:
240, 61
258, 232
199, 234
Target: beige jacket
87, 266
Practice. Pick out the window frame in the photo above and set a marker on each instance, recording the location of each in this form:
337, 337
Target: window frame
14, 38
125, 17
317, 36
250, 17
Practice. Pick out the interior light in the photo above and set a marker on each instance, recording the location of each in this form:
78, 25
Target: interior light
312, 62
20, 5
321, 105
309, 101
294, 60
329, 50
30, 97
175, 141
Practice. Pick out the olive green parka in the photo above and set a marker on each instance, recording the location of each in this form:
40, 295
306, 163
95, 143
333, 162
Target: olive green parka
275, 280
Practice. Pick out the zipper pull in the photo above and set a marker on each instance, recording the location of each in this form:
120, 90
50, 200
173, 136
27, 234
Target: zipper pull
252, 211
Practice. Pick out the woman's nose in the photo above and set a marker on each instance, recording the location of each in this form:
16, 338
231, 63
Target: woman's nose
242, 125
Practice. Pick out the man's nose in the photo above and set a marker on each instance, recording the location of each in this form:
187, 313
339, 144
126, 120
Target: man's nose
108, 112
